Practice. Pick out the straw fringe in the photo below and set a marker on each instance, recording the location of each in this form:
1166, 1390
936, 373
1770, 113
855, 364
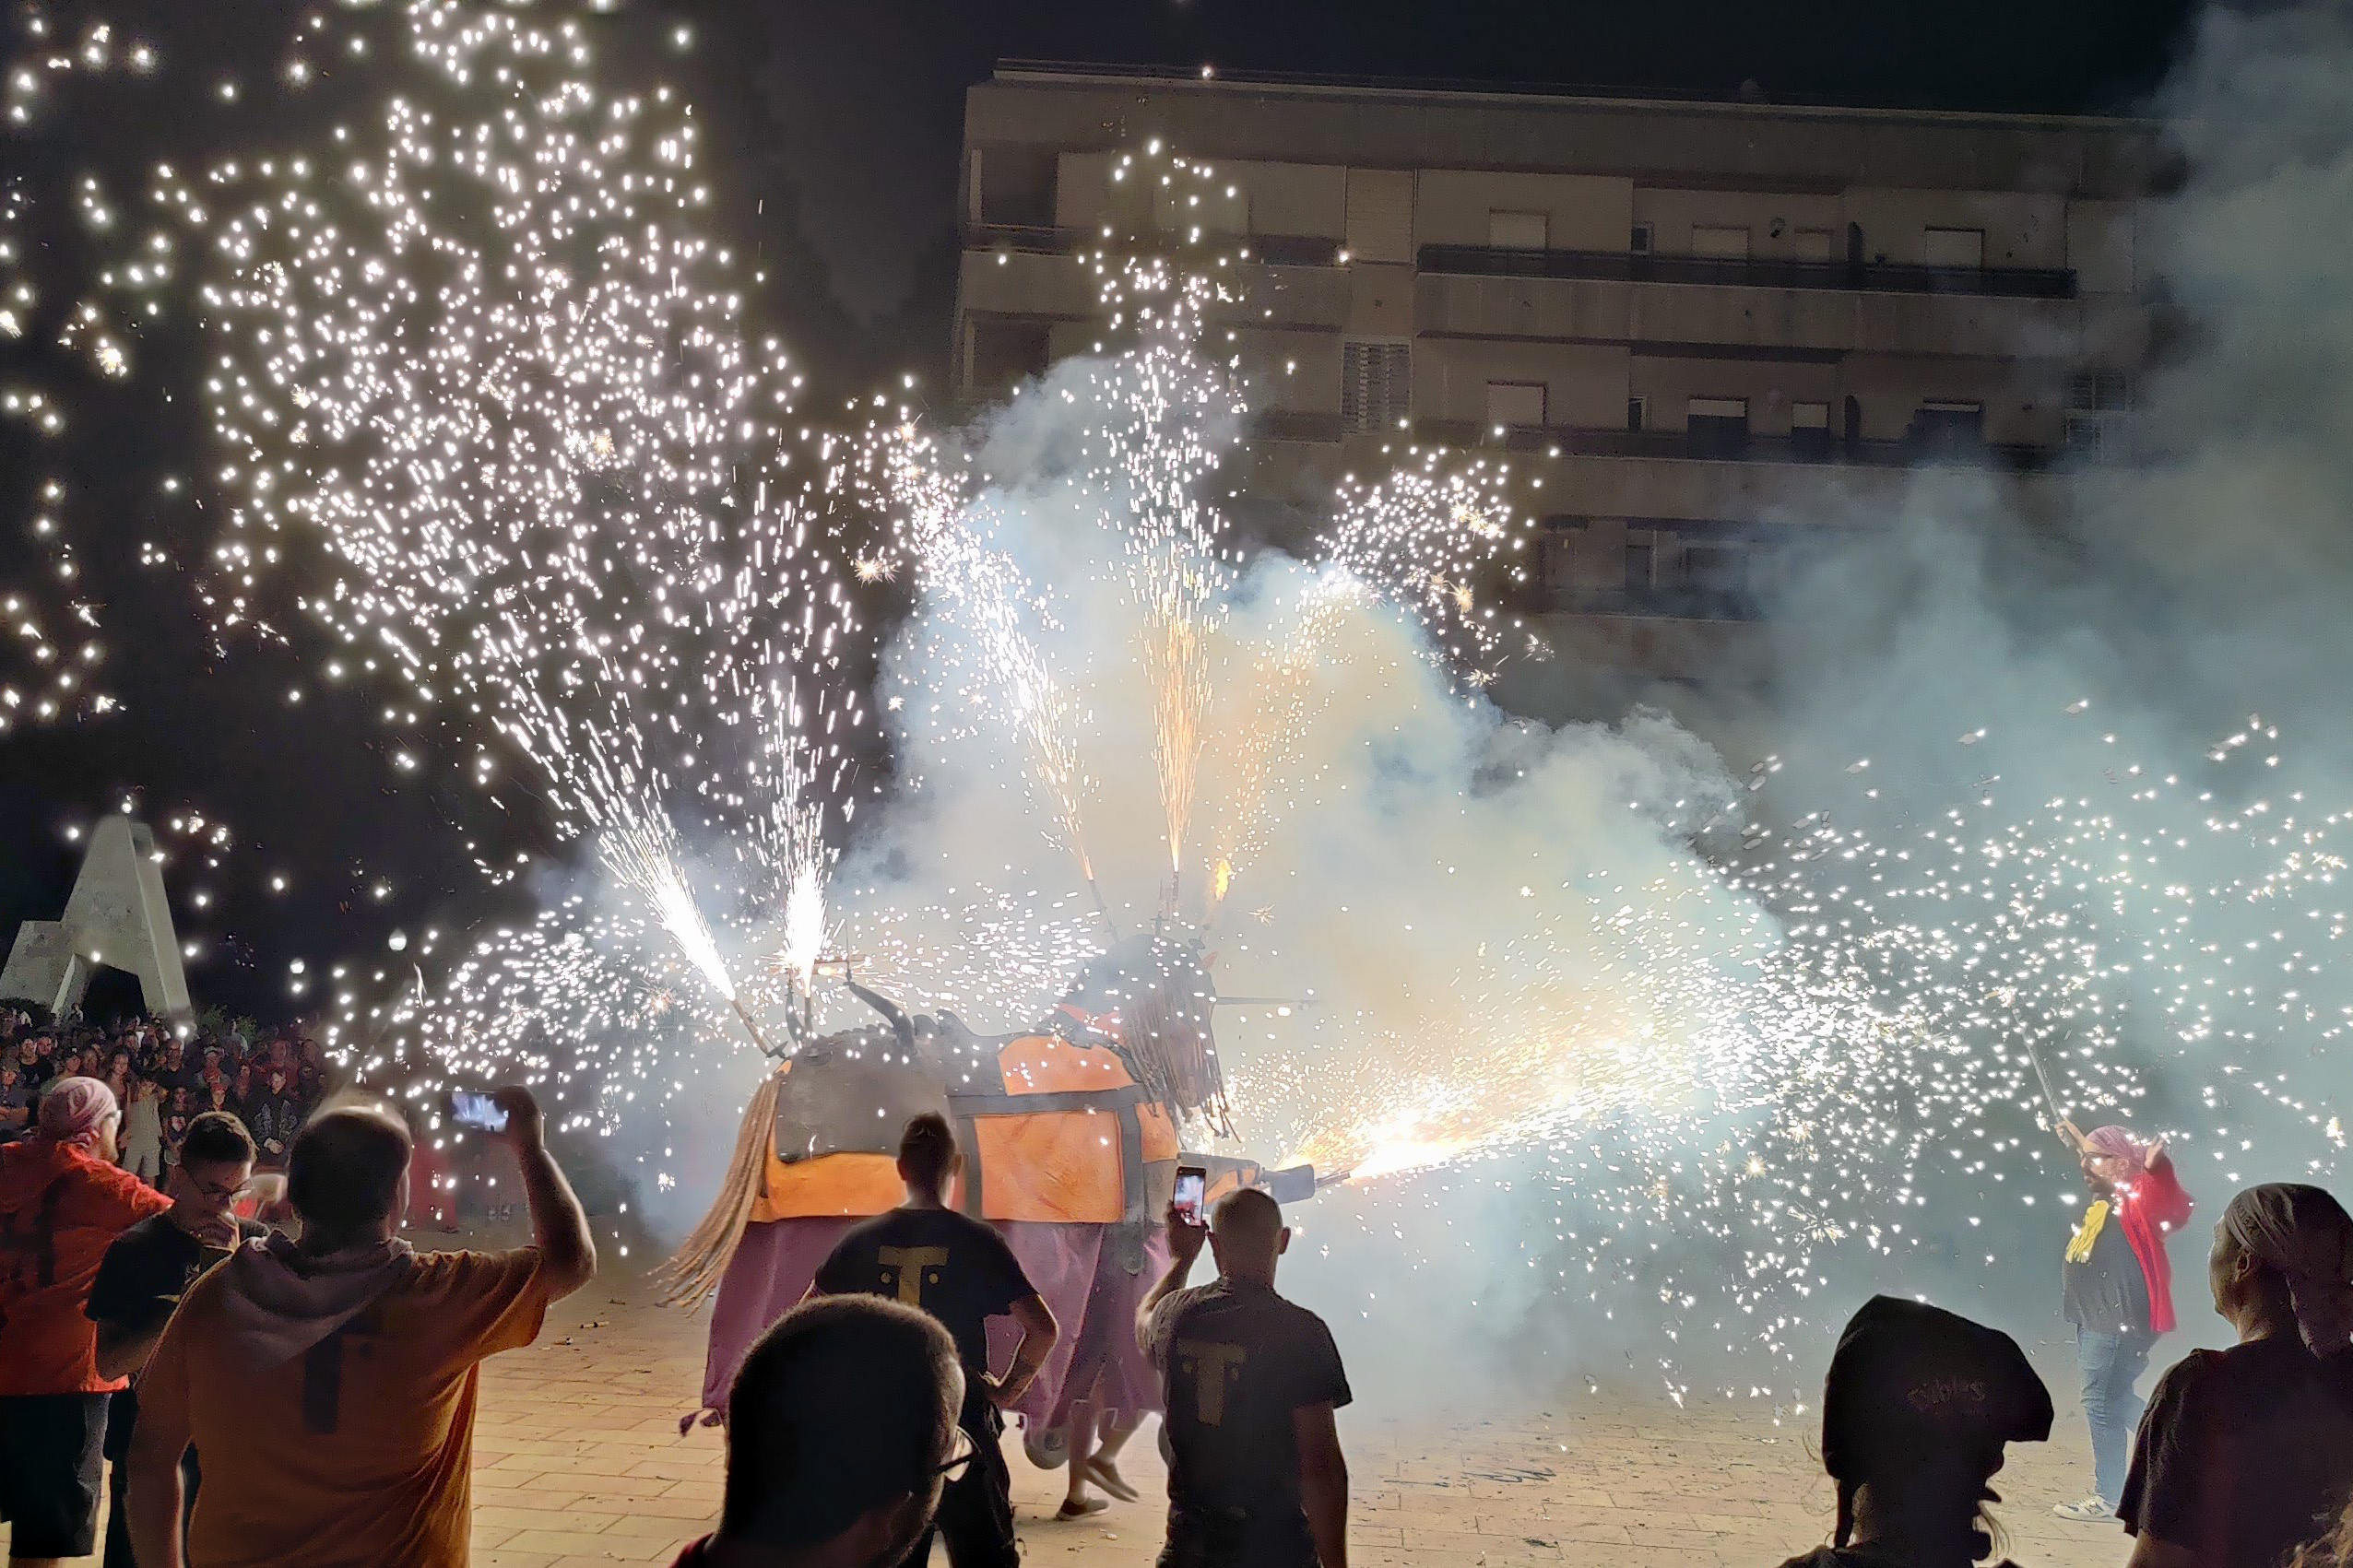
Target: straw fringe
693, 1272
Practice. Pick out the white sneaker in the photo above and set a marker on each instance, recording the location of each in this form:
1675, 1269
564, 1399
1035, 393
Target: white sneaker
2090, 1511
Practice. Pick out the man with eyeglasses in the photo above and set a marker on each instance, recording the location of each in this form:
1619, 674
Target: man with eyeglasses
145, 1271
843, 1431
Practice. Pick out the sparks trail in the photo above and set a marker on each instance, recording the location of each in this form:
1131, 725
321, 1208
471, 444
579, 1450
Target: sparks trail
489, 423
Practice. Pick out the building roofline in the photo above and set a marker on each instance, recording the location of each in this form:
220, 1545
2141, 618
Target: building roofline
1404, 89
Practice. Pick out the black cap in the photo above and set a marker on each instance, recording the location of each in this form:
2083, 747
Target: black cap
1908, 1377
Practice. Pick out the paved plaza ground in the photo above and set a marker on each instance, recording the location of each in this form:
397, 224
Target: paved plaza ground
579, 1463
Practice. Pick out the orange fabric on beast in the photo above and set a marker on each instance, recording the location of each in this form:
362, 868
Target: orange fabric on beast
828, 1187
1058, 1166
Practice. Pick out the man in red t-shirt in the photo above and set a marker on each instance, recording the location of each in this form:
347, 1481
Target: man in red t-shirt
62, 1201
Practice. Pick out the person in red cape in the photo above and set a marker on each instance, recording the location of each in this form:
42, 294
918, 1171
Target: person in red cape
2119, 1292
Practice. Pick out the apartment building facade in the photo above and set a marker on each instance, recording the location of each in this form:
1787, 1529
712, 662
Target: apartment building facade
1710, 329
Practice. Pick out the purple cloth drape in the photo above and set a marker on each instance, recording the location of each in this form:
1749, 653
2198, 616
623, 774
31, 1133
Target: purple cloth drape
1075, 1268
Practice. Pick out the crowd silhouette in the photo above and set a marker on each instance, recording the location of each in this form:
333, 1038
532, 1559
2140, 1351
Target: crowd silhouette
304, 1396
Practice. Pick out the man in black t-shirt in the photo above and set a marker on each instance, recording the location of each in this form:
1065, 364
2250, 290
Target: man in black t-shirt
1255, 1477
960, 1271
147, 1270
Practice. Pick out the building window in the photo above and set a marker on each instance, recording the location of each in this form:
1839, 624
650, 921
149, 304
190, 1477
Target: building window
1376, 384
2101, 390
1810, 429
1715, 568
1718, 240
1640, 561
1814, 245
1517, 230
1636, 411
1718, 427
1641, 242
1380, 215
1949, 426
1515, 405
1002, 353
1959, 248
1013, 186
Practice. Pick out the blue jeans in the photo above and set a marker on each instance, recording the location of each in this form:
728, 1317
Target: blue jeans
2112, 1363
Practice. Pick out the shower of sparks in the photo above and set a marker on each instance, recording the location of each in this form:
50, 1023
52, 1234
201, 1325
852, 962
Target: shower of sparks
645, 859
490, 428
489, 373
984, 595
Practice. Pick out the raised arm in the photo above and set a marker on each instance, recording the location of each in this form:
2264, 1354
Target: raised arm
559, 1225
1185, 1241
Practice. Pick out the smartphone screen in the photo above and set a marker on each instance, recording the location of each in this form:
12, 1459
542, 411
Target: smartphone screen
472, 1108
1191, 1183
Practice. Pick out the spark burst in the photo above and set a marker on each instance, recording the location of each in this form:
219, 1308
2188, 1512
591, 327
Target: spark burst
490, 425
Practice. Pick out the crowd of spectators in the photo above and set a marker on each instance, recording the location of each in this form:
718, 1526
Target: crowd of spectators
305, 1398
162, 1079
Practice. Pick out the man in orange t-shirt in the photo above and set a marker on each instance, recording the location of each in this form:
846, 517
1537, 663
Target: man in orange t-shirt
62, 1201
330, 1384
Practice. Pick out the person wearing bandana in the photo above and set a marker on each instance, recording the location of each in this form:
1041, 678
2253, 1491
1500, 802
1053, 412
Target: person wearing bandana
1919, 1409
2246, 1458
2119, 1292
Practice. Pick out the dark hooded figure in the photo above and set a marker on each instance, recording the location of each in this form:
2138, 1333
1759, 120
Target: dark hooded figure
1916, 1411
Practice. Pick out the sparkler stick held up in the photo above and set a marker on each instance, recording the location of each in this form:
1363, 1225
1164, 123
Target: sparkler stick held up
2057, 1115
752, 1029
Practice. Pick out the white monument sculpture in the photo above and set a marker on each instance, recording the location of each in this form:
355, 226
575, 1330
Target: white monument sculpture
116, 918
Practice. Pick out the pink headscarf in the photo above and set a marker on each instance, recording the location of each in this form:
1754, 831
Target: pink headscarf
2117, 1143
74, 1109
2306, 1235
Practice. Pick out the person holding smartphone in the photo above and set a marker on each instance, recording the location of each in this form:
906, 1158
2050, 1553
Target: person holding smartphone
329, 1382
1256, 1475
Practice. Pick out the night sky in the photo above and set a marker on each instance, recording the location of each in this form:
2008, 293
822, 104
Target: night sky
835, 128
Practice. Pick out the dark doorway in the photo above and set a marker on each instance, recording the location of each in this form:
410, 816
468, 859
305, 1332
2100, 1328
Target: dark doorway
1854, 426
113, 995
1854, 259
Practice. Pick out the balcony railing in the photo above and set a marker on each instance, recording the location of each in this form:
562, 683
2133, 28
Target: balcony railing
1716, 446
1271, 250
1647, 604
1605, 267
1750, 272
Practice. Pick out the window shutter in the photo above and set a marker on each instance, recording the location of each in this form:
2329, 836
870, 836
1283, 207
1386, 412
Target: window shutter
1376, 384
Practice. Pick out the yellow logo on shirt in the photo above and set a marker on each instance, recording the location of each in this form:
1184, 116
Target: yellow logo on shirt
1210, 1366
909, 1262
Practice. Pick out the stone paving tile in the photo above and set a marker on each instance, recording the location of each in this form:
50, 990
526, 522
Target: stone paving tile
579, 1463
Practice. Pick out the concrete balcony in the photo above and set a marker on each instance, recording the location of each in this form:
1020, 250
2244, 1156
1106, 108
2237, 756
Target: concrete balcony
1749, 272
1650, 473
1062, 285
1823, 321
1659, 646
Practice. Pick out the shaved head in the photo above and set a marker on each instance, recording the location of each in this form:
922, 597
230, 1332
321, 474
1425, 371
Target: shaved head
1245, 1231
346, 1174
